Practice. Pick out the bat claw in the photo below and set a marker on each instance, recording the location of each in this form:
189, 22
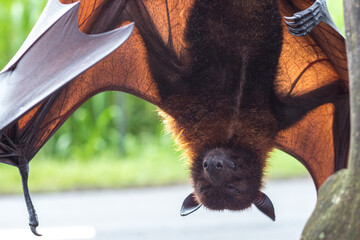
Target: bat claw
290, 18
294, 29
298, 34
306, 22
34, 231
311, 17
290, 23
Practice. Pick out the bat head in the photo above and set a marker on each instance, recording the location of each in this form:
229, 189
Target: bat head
225, 178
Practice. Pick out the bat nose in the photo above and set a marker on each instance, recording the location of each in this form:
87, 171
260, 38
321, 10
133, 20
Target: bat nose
214, 171
211, 165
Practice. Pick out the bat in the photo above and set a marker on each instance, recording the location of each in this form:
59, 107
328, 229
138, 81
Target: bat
231, 83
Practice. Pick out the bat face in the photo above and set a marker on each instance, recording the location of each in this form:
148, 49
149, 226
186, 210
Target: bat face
226, 178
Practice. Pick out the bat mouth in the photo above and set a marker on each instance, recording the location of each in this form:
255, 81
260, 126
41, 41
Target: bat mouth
234, 190
230, 195
221, 200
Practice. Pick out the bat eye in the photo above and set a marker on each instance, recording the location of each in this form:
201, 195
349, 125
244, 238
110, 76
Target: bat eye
231, 164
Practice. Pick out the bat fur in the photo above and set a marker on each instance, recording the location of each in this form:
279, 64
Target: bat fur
218, 94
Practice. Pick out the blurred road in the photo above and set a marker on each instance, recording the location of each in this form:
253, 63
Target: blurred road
153, 213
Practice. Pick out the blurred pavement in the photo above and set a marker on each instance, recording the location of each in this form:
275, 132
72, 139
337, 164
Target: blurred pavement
153, 213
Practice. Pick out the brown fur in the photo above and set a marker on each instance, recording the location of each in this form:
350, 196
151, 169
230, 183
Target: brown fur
217, 93
197, 127
201, 126
218, 96
224, 104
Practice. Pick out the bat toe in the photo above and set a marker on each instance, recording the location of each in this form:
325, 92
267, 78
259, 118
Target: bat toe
34, 231
303, 22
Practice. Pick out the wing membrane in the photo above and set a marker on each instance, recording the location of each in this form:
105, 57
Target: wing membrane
320, 141
54, 59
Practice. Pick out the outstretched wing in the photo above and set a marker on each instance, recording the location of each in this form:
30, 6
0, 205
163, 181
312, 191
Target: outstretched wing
126, 69
321, 140
54, 53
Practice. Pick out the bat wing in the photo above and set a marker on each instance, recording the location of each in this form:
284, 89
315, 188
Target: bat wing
126, 69
321, 139
54, 53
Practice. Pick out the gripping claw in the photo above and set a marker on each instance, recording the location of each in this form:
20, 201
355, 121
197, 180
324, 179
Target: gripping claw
34, 231
291, 18
303, 22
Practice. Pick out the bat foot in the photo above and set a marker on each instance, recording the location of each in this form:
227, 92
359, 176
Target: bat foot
303, 22
33, 219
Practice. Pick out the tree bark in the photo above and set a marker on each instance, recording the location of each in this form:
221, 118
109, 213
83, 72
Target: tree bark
337, 214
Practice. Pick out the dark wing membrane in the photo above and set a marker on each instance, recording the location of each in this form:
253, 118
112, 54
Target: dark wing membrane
321, 139
53, 60
47, 62
126, 69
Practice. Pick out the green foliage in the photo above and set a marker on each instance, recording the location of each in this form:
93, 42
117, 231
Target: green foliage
337, 13
153, 165
16, 19
282, 165
107, 122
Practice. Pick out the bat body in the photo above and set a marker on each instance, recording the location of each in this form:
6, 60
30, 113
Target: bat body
231, 84
228, 124
220, 102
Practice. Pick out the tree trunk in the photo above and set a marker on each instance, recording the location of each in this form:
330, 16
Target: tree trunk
337, 214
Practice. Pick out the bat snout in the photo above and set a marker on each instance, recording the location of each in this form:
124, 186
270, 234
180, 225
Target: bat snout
217, 160
213, 170
217, 169
211, 165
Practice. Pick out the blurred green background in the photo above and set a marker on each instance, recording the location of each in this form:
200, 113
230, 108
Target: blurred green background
114, 140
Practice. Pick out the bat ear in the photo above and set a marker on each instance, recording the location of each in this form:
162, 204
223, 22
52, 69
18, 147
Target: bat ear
190, 205
264, 204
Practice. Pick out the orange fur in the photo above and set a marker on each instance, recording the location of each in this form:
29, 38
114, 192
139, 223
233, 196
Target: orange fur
218, 126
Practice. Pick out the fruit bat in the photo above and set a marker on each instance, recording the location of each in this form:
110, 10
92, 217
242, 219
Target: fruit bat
230, 79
